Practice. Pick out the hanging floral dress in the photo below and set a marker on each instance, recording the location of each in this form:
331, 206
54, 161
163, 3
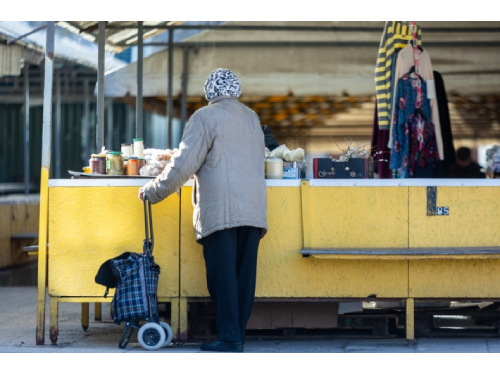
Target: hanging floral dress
413, 136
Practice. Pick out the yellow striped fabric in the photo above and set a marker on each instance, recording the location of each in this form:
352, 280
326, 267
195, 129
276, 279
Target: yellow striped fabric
395, 37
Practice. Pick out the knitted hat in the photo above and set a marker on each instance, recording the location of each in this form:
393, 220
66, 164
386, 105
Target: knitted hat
222, 82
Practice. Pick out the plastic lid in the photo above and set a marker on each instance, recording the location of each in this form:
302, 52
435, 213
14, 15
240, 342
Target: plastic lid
133, 157
114, 153
101, 155
138, 140
126, 144
141, 159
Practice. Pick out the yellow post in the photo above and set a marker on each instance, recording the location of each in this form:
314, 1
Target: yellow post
42, 256
174, 318
54, 320
44, 182
97, 311
410, 319
306, 224
183, 319
85, 316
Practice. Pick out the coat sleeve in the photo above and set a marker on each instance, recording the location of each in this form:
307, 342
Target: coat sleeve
185, 163
269, 140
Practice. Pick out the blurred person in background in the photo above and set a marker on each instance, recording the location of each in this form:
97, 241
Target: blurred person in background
465, 166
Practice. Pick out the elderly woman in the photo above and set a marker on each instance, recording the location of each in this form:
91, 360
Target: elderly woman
223, 147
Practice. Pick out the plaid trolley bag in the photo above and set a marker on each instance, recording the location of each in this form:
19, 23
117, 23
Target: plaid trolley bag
135, 298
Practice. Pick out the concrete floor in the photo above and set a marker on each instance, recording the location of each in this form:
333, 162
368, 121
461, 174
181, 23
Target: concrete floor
18, 325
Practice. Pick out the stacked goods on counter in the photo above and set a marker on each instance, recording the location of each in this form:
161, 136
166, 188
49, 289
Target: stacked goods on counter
156, 161
284, 163
355, 162
133, 160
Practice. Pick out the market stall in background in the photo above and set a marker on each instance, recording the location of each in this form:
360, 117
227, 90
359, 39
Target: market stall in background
362, 231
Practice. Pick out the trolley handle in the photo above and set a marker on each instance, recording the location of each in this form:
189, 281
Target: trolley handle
149, 241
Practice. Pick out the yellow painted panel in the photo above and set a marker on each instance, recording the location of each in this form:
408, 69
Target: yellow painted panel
33, 213
455, 278
359, 217
281, 270
474, 218
193, 279
88, 225
5, 233
19, 218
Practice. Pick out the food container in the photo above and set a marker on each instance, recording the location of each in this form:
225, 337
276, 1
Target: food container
97, 164
142, 163
86, 169
114, 163
139, 148
133, 166
125, 166
274, 168
127, 150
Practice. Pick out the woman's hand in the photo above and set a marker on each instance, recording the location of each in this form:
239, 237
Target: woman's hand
141, 194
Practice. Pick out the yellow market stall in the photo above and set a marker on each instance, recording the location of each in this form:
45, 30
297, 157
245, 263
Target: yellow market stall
93, 220
367, 240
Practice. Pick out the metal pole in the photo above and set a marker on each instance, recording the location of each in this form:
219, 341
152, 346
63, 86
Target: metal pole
58, 126
109, 128
25, 35
493, 44
138, 113
86, 117
185, 73
99, 134
129, 119
170, 82
26, 129
44, 183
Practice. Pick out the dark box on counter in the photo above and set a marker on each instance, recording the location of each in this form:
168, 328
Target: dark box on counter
354, 168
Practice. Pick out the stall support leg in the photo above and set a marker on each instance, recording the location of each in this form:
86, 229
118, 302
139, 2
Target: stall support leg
98, 312
44, 184
139, 127
85, 316
183, 319
99, 133
170, 100
54, 320
174, 318
111, 310
410, 319
26, 129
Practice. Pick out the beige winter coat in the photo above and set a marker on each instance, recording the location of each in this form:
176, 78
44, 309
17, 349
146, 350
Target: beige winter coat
223, 147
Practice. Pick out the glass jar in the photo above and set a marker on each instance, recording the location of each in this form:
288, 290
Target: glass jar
139, 148
97, 164
133, 166
127, 150
274, 168
114, 163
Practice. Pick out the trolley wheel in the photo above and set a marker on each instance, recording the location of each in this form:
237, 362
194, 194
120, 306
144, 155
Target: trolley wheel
168, 332
151, 336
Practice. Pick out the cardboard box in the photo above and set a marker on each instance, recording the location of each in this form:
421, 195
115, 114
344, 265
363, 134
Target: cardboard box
355, 168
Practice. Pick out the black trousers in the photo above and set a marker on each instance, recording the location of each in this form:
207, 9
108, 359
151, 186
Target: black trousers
231, 262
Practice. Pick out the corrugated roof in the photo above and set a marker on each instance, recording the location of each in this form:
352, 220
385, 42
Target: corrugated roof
117, 32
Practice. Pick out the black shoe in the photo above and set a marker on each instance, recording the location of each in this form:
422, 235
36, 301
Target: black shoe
223, 346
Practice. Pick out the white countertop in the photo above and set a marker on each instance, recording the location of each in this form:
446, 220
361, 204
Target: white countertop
131, 182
